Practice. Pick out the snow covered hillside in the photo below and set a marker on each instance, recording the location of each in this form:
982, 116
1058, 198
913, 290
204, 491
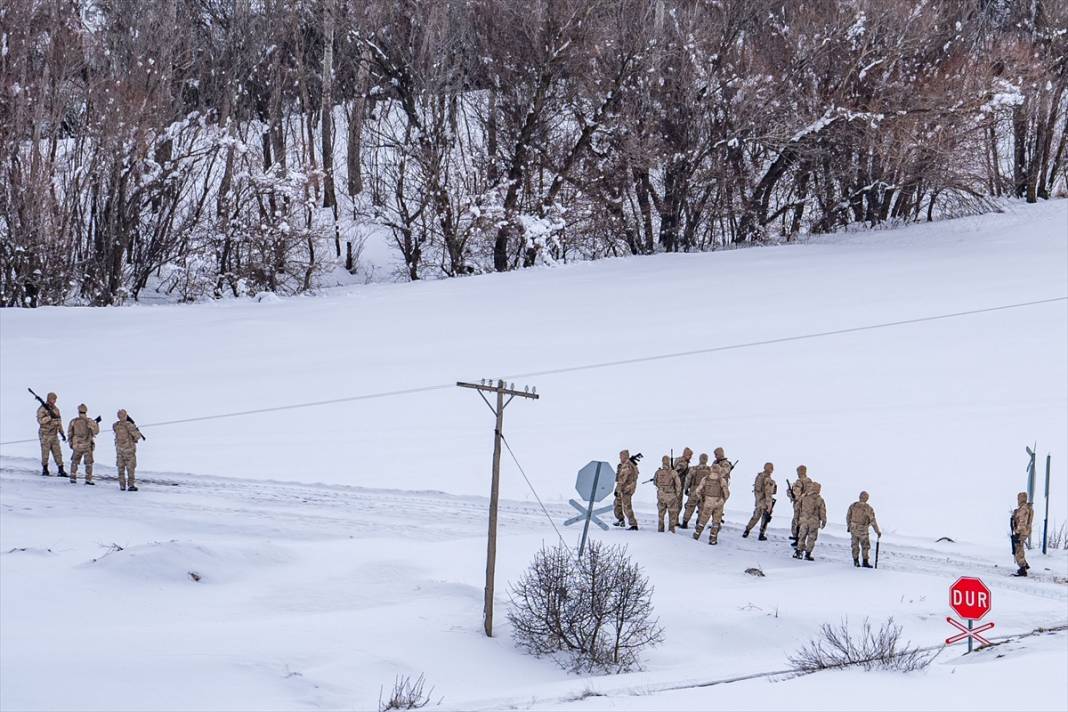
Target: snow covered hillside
914, 413
340, 544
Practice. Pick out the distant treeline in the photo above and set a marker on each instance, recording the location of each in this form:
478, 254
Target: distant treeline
212, 147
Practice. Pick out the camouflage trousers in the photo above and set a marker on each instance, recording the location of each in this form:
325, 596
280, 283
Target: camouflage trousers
624, 507
711, 510
762, 514
692, 502
1019, 553
860, 542
76, 458
795, 523
670, 506
50, 445
807, 531
126, 464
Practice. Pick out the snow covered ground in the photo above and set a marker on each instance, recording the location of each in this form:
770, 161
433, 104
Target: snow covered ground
331, 558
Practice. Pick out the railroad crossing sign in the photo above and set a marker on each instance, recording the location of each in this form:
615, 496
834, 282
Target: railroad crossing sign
593, 483
970, 599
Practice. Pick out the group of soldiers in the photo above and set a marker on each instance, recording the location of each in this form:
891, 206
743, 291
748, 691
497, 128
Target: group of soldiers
706, 488
81, 437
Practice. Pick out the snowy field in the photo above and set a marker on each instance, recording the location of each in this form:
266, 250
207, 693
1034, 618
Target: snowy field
331, 558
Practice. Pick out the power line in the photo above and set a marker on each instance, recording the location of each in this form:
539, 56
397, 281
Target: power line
535, 493
596, 365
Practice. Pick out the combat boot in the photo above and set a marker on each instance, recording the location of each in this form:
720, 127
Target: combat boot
808, 557
132, 488
866, 564
62, 472
45, 472
745, 534
797, 553
618, 523
631, 528
856, 562
1021, 572
762, 537
696, 536
660, 528
685, 525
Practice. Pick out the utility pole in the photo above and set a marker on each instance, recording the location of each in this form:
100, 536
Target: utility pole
501, 389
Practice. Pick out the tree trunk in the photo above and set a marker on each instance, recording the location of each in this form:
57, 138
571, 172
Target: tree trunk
327, 110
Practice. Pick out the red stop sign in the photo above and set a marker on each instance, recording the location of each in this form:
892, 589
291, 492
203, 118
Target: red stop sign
970, 598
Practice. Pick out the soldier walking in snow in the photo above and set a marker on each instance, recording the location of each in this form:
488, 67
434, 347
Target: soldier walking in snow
49, 424
696, 476
797, 489
713, 493
668, 491
764, 489
626, 483
126, 437
682, 469
812, 516
1022, 518
80, 434
859, 518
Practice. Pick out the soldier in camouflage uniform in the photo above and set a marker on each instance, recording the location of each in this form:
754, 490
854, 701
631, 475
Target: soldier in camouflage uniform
721, 460
797, 489
668, 491
626, 484
696, 476
126, 437
80, 434
49, 423
1022, 519
764, 489
713, 493
859, 518
682, 469
812, 515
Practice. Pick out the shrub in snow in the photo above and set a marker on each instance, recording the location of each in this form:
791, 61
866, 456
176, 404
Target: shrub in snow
408, 694
838, 647
593, 614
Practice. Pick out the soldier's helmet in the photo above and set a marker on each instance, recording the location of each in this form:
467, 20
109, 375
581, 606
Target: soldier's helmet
122, 414
704, 458
83, 408
768, 467
718, 452
1022, 498
624, 455
816, 487
802, 470
51, 397
863, 496
665, 461
687, 453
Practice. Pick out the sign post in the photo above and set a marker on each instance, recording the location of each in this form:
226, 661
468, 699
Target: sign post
970, 599
593, 483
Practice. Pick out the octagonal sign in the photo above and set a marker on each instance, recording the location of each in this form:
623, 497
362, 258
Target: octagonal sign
593, 486
969, 598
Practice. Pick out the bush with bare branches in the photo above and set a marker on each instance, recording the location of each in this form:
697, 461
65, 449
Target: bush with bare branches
837, 646
593, 614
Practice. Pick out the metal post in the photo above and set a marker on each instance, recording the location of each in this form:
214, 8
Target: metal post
969, 637
1031, 483
495, 489
1045, 521
589, 508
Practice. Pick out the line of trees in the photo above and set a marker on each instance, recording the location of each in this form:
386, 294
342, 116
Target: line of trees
211, 147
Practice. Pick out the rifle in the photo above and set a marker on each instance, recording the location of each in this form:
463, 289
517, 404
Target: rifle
51, 411
635, 459
790, 491
876, 553
1015, 540
130, 418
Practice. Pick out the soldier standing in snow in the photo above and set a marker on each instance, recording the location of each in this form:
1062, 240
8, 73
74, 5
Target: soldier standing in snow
722, 461
626, 483
668, 491
812, 516
764, 489
80, 434
859, 518
682, 469
126, 437
696, 476
797, 489
713, 493
49, 423
1022, 519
